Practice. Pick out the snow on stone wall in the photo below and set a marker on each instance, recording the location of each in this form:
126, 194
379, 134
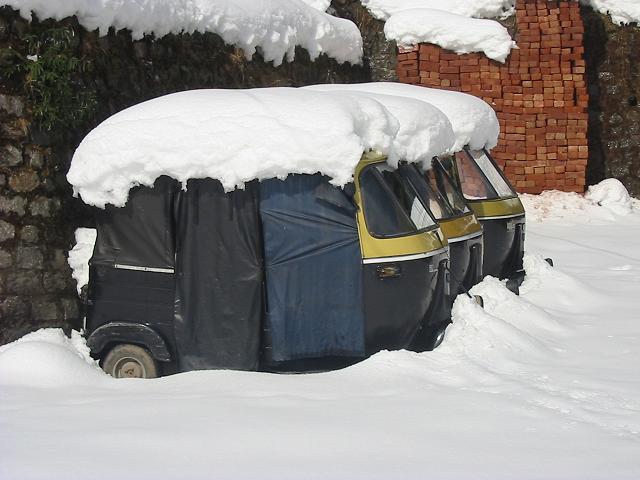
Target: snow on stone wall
276, 27
383, 9
621, 11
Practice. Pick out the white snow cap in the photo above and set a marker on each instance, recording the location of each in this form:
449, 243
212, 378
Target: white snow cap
425, 132
450, 31
230, 135
621, 11
474, 122
383, 9
274, 26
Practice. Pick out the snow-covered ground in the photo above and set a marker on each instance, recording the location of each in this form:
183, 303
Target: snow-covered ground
544, 385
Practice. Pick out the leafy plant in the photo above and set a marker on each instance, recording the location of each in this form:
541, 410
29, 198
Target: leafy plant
51, 73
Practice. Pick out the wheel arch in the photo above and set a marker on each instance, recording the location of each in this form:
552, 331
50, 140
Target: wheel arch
135, 333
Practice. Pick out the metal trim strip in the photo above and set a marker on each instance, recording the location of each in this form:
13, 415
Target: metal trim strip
144, 269
405, 258
501, 216
465, 237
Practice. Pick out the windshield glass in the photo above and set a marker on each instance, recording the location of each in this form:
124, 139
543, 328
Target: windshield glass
493, 173
441, 183
437, 204
473, 183
391, 206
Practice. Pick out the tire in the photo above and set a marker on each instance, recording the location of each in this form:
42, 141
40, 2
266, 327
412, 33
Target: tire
130, 361
438, 337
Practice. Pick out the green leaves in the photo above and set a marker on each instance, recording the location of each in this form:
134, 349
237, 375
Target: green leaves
52, 79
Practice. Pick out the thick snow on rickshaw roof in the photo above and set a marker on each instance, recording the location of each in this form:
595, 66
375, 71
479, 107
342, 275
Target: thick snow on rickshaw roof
276, 27
237, 136
425, 132
474, 122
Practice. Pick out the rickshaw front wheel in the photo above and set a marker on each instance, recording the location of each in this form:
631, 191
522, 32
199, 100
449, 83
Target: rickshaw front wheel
129, 361
438, 337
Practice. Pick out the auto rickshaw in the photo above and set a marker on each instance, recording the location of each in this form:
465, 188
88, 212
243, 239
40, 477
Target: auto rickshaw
497, 207
456, 220
282, 275
488, 192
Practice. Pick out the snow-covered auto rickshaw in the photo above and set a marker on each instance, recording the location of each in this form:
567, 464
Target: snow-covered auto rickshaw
323, 254
497, 206
488, 192
443, 199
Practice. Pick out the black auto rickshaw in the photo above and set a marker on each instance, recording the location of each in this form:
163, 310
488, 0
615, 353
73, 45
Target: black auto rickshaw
473, 172
283, 275
456, 220
498, 208
445, 203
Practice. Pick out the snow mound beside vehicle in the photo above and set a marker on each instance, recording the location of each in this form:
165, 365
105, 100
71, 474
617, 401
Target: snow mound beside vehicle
602, 202
449, 31
48, 358
612, 195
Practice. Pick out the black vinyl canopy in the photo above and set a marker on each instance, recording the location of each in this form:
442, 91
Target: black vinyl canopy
313, 269
141, 233
218, 298
270, 272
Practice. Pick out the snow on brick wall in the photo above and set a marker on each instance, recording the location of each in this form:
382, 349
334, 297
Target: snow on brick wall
539, 94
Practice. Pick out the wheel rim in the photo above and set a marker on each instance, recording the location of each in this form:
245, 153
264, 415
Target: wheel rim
129, 367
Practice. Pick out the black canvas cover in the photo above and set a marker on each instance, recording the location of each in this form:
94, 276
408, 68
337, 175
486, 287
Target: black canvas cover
140, 234
218, 303
313, 270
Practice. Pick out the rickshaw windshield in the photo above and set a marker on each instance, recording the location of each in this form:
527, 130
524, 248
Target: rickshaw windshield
392, 208
492, 173
431, 197
473, 184
440, 182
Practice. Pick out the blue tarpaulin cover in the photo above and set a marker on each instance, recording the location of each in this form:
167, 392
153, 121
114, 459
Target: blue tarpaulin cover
313, 269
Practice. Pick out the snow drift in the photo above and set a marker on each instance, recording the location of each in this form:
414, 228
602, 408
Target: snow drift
48, 358
611, 194
450, 31
550, 377
604, 201
276, 27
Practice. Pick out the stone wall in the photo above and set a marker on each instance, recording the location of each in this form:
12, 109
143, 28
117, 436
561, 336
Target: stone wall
38, 214
380, 55
539, 94
612, 53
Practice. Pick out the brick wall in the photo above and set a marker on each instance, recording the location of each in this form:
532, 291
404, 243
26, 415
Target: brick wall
539, 94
